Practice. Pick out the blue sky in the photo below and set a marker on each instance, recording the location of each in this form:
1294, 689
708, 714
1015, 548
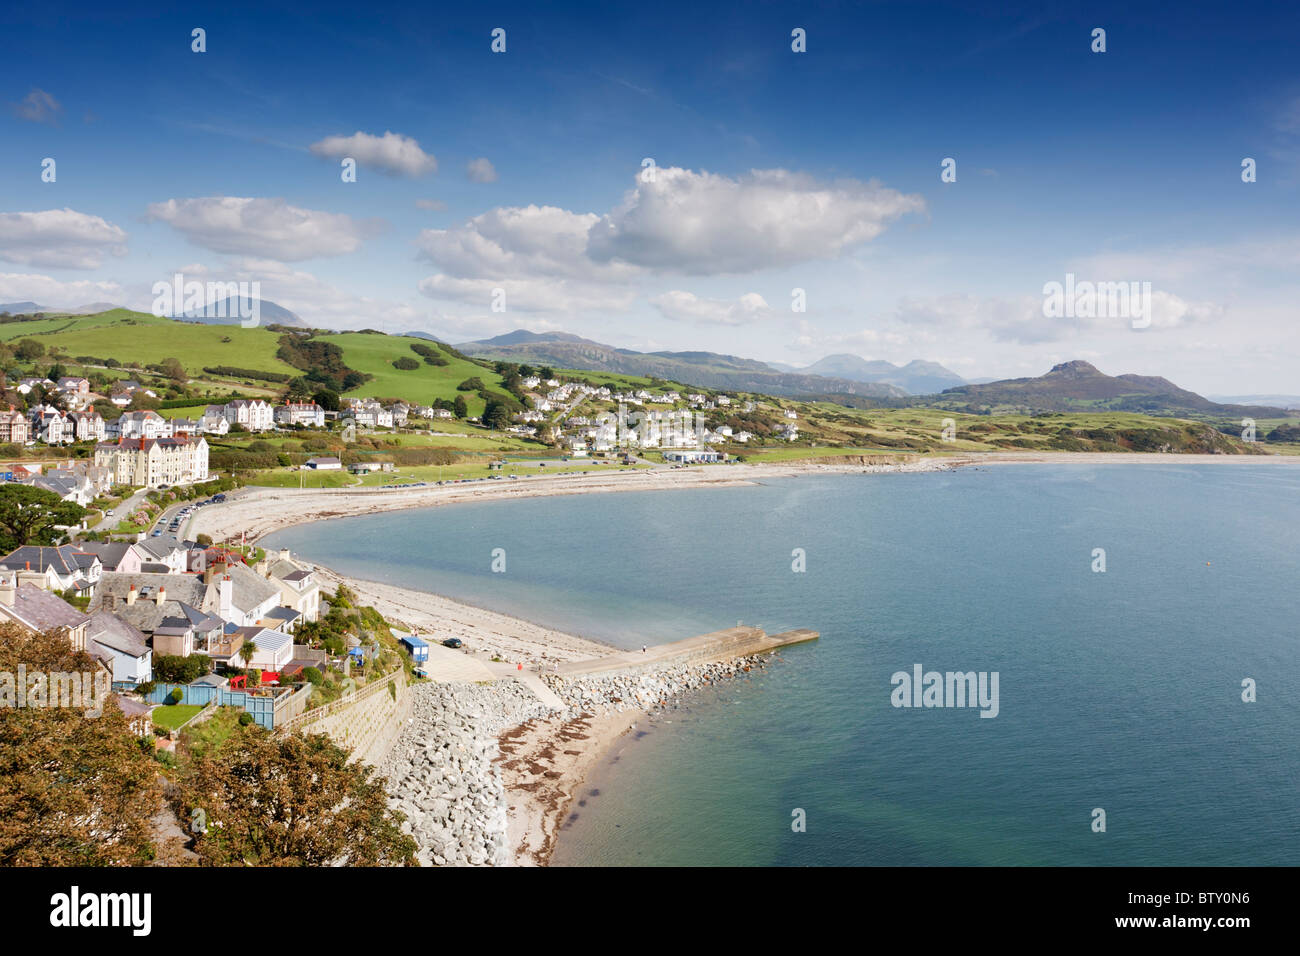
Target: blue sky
776, 170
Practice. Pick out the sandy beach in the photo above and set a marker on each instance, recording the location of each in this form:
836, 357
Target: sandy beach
544, 761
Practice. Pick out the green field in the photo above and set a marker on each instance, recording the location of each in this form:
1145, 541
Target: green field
374, 355
139, 337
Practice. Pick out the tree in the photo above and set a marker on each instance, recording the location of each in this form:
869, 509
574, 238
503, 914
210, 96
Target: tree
460, 408
470, 384
327, 399
29, 515
405, 364
174, 370
496, 415
290, 800
246, 651
74, 791
28, 350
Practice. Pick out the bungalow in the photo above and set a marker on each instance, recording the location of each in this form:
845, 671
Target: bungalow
122, 648
39, 611
688, 455
26, 385
324, 463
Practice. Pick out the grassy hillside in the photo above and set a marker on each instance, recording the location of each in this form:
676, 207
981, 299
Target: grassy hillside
144, 338
374, 354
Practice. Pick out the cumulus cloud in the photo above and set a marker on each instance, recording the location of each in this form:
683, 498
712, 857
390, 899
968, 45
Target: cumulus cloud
55, 293
481, 170
517, 242
59, 238
688, 307
702, 223
392, 153
531, 294
39, 107
263, 227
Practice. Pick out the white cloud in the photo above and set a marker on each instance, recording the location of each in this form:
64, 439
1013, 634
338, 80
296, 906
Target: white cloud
55, 293
531, 294
704, 224
39, 107
687, 307
517, 242
263, 227
481, 170
392, 153
59, 238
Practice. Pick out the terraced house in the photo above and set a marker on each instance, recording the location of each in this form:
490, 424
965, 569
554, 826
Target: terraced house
152, 462
255, 414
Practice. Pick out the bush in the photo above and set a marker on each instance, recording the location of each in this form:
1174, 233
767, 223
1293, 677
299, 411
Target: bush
175, 669
313, 675
245, 719
176, 696
471, 385
405, 364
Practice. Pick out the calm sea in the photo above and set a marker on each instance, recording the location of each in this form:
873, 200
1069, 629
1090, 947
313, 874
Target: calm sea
1118, 690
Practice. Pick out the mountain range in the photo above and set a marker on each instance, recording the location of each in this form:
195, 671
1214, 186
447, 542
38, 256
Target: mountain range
841, 374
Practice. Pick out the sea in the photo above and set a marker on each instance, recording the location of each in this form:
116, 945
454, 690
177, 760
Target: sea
1140, 623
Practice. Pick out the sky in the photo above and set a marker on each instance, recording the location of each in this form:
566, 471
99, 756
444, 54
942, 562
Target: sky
665, 176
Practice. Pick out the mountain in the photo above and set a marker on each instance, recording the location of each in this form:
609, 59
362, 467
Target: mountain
1080, 386
701, 369
916, 377
270, 313
26, 308
21, 308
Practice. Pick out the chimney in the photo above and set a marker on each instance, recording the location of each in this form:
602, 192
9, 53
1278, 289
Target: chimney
7, 592
227, 589
131, 596
162, 594
284, 554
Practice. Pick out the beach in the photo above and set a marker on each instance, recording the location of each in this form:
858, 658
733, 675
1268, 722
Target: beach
542, 761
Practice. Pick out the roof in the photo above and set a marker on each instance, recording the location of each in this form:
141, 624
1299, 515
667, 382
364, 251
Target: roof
42, 611
413, 641
187, 588
110, 554
112, 632
65, 559
211, 680
284, 614
249, 589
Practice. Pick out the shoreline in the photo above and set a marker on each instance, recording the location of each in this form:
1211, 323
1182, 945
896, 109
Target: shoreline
541, 762
256, 511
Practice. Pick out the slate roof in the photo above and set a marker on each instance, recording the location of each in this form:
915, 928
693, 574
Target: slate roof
65, 559
42, 611
112, 632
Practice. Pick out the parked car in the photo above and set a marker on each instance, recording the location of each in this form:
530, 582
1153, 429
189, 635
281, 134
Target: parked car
453, 642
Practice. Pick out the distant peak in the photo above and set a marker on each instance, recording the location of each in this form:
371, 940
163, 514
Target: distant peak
1075, 368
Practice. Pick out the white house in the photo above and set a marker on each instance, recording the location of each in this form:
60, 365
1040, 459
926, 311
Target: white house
254, 414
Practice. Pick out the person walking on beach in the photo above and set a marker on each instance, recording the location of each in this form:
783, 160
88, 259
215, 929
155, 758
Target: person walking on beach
642, 648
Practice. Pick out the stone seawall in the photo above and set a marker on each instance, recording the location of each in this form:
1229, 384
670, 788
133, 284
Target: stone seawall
366, 721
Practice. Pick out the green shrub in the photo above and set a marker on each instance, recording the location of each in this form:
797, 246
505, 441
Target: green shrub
245, 719
405, 364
